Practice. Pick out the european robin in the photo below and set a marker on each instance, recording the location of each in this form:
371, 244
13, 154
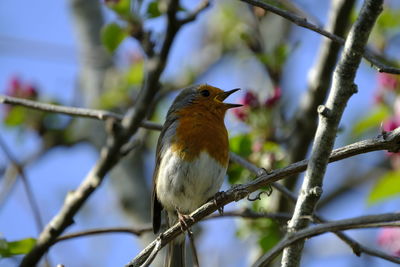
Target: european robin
191, 158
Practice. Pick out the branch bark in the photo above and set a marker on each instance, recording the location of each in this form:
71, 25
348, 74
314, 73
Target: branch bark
110, 153
302, 22
243, 213
342, 89
389, 141
369, 221
73, 111
27, 186
357, 248
319, 81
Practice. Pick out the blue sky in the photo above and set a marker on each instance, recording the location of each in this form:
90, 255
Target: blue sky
37, 43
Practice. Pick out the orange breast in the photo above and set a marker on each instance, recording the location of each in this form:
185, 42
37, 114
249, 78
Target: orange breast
201, 128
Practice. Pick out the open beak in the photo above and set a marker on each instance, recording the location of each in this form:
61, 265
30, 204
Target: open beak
221, 97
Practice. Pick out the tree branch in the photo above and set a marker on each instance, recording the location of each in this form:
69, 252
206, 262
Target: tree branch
192, 16
111, 230
370, 221
28, 188
352, 182
320, 76
249, 214
354, 245
342, 89
389, 141
73, 111
110, 154
243, 213
302, 22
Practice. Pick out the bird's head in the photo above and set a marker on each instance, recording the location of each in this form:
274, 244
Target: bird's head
204, 97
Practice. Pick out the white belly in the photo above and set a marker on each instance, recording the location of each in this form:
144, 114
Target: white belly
186, 185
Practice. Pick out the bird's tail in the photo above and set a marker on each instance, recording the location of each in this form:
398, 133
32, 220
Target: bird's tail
175, 255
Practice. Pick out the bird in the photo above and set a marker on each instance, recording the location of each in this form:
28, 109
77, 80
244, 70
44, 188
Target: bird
192, 158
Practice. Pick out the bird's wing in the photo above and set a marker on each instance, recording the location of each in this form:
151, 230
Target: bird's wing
163, 140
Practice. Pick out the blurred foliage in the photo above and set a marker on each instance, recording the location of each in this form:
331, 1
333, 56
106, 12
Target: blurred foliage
120, 85
9, 249
384, 116
24, 119
241, 145
112, 35
372, 120
121, 7
266, 231
234, 31
277, 58
387, 26
153, 9
15, 116
387, 186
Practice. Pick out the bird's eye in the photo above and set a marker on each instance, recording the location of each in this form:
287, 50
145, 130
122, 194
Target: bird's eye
205, 93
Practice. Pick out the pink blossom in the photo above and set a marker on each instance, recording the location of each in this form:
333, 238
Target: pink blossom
257, 146
271, 101
388, 81
378, 98
18, 88
390, 125
389, 238
249, 99
30, 91
14, 86
240, 113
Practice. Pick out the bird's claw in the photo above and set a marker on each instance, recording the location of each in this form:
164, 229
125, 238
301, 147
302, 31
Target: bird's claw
183, 218
217, 197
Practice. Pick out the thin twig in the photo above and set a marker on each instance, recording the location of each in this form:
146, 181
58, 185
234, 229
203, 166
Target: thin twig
192, 16
355, 246
249, 214
352, 182
28, 188
369, 221
369, 145
391, 141
111, 230
302, 22
154, 252
110, 153
330, 114
72, 111
304, 122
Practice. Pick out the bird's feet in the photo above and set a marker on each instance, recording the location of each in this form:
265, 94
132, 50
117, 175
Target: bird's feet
183, 219
216, 199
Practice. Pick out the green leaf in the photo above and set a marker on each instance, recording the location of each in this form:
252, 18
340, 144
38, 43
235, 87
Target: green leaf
277, 58
269, 240
373, 119
122, 8
16, 116
241, 144
112, 35
23, 246
234, 173
388, 186
389, 19
135, 74
153, 10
